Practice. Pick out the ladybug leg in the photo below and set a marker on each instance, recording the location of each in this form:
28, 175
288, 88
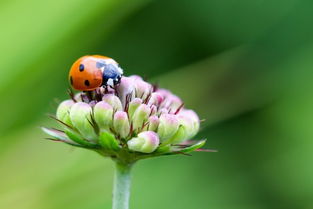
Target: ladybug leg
98, 94
89, 95
106, 90
104, 81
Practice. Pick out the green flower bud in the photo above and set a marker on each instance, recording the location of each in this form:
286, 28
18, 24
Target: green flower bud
80, 115
195, 121
140, 116
189, 126
63, 112
145, 142
103, 114
168, 127
121, 124
114, 101
153, 123
133, 105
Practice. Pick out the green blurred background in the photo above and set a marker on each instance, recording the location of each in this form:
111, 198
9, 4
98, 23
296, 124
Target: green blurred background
245, 66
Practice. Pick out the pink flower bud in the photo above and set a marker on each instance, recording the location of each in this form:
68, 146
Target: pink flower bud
163, 92
194, 118
145, 142
153, 122
126, 87
172, 102
156, 99
142, 89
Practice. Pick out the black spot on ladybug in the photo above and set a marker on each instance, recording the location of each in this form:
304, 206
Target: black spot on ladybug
81, 67
87, 83
71, 79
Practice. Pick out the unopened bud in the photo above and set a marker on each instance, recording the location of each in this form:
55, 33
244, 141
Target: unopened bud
126, 89
103, 114
189, 126
145, 142
80, 115
153, 123
142, 88
156, 98
63, 112
114, 101
140, 116
121, 124
133, 105
193, 117
168, 127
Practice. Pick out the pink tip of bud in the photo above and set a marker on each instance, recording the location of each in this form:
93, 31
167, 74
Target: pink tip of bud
189, 114
165, 93
103, 105
126, 89
145, 142
169, 118
113, 100
120, 115
136, 101
151, 136
156, 98
136, 77
121, 124
67, 103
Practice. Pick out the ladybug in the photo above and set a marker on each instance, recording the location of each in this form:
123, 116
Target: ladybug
91, 72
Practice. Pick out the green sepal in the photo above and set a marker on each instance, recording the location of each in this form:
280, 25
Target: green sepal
108, 141
78, 139
191, 148
164, 149
57, 134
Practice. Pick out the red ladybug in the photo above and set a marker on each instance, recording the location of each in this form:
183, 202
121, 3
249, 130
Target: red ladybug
91, 72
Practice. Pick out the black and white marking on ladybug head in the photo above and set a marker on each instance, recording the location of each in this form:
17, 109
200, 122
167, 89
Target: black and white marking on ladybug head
112, 74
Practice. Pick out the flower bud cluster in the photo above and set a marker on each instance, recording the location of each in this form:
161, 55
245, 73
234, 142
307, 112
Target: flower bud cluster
135, 117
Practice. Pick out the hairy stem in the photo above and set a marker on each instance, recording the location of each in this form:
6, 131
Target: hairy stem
121, 190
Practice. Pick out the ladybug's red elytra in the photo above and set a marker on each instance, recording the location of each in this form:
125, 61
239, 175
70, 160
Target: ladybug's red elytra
92, 71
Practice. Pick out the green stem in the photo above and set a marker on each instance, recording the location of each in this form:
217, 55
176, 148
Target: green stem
121, 190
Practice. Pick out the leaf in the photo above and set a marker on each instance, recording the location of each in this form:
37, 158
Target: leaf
78, 139
60, 135
191, 148
163, 149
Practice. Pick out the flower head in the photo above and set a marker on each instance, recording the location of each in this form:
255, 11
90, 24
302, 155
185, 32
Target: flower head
131, 121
